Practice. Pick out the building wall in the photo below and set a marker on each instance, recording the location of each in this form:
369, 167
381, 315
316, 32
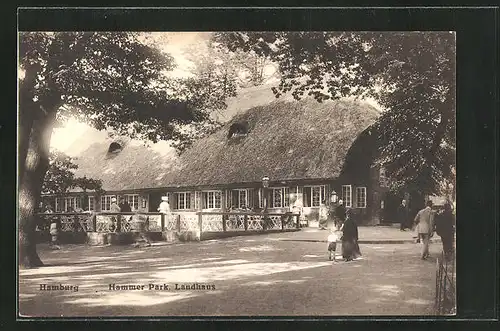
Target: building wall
295, 197
147, 201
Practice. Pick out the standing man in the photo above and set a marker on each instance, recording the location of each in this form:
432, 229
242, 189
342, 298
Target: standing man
42, 224
403, 215
164, 207
445, 229
124, 206
425, 227
114, 208
340, 213
297, 208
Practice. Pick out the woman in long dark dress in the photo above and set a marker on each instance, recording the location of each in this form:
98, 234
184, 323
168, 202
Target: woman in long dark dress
349, 237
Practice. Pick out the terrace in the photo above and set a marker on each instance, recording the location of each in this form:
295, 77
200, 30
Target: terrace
121, 228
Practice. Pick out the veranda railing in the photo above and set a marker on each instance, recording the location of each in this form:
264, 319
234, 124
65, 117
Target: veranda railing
109, 222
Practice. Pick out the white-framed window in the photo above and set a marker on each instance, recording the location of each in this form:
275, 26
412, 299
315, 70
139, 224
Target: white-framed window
91, 204
239, 199
314, 195
132, 200
212, 199
106, 202
59, 205
347, 195
68, 204
279, 197
183, 200
361, 197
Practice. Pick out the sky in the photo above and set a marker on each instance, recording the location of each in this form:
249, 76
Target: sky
175, 43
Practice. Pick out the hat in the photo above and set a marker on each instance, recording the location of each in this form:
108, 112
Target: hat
113, 199
164, 198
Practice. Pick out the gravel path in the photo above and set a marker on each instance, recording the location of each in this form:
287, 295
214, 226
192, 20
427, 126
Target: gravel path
244, 276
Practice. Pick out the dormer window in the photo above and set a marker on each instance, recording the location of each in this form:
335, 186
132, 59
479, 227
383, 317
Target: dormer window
115, 147
239, 129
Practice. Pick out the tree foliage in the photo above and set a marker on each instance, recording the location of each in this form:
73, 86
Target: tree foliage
410, 74
218, 74
245, 68
60, 176
110, 80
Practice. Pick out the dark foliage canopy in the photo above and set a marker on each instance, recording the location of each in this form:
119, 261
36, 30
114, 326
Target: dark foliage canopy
61, 177
410, 74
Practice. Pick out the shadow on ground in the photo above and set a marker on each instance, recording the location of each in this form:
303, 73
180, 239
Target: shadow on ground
245, 276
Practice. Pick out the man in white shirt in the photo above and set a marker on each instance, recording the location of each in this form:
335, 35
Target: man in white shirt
113, 220
425, 227
164, 207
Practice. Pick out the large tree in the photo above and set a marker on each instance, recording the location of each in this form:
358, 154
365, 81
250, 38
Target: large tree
410, 74
108, 80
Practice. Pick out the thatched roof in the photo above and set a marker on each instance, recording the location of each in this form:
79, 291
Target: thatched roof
135, 166
285, 141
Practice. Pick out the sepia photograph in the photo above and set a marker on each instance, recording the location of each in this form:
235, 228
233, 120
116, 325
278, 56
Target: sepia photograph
236, 173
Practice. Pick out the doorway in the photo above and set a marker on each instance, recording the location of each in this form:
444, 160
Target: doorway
154, 201
391, 204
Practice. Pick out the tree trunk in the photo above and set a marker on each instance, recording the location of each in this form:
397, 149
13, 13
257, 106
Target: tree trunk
27, 109
35, 167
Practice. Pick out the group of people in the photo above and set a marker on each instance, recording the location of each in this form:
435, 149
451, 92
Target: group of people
334, 213
344, 229
122, 207
55, 224
427, 221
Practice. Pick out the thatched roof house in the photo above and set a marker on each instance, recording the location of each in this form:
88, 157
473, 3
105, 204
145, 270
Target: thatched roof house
285, 141
124, 164
310, 151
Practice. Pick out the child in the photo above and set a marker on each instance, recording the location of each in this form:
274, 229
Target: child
54, 231
332, 243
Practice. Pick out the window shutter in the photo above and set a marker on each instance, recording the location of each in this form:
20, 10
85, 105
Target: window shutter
189, 200
355, 197
197, 200
204, 200
251, 197
259, 198
229, 199
306, 197
172, 200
